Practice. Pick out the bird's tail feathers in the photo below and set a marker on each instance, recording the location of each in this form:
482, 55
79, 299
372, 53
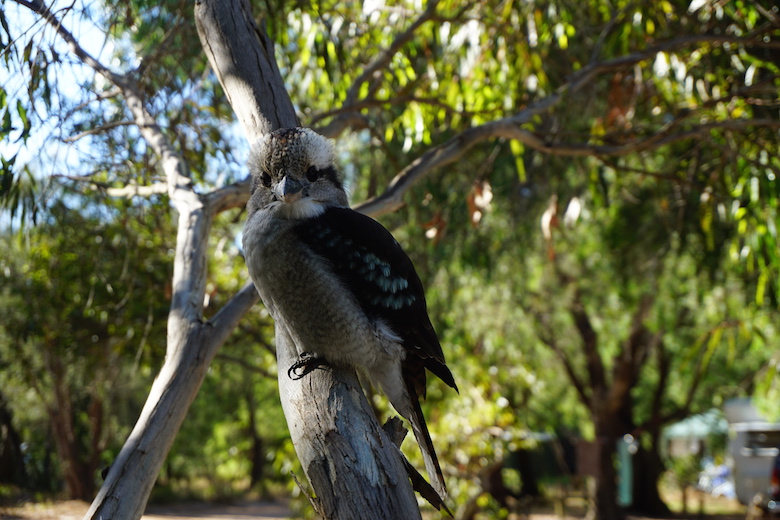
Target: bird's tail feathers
420, 430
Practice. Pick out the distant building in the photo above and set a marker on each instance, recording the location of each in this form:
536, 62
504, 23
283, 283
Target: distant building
753, 445
691, 436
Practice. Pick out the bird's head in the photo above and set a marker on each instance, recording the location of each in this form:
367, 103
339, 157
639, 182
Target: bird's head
293, 174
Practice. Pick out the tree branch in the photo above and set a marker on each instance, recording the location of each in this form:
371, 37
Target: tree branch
770, 15
661, 138
593, 361
382, 59
242, 57
227, 318
608, 29
228, 197
582, 392
663, 362
137, 190
548, 338
632, 355
352, 112
243, 363
637, 342
191, 345
174, 168
43, 10
511, 127
251, 333
96, 130
350, 106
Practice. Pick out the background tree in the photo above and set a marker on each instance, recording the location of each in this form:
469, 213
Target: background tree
83, 327
629, 342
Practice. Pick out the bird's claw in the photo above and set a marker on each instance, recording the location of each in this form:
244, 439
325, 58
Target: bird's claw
306, 363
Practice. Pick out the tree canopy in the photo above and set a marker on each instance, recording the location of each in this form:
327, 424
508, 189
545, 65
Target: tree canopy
588, 191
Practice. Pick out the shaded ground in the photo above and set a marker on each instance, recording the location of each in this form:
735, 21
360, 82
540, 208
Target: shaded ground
254, 510
75, 510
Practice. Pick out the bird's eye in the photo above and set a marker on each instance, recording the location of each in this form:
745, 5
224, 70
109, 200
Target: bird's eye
312, 174
266, 179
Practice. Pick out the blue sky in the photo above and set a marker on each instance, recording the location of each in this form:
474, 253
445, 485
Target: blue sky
46, 150
43, 150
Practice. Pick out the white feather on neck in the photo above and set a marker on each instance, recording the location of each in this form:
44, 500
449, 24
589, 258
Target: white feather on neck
299, 210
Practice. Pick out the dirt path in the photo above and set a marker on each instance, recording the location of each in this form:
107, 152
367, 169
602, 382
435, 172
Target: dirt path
75, 510
253, 510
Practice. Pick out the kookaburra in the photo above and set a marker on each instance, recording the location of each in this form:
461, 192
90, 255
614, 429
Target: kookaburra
336, 280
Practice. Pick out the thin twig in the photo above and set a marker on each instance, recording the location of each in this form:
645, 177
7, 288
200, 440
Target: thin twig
138, 190
246, 365
608, 29
314, 502
97, 130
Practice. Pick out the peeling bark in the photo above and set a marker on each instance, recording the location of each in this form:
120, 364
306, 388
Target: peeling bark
349, 460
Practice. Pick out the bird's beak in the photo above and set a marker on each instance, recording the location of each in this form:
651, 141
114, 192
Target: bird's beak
289, 190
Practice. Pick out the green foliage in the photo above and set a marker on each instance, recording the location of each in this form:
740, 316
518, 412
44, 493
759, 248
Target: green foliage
82, 315
658, 177
686, 470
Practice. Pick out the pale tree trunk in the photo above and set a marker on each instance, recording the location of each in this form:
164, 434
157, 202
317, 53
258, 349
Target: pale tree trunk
191, 343
191, 347
354, 468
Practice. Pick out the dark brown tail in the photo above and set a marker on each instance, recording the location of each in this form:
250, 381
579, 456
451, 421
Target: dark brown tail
420, 430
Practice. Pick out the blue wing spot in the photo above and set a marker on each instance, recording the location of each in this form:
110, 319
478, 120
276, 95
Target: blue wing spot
383, 287
393, 301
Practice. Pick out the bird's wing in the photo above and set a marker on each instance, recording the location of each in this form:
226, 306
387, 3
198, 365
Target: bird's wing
378, 272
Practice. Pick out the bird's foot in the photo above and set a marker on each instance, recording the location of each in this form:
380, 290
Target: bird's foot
305, 364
